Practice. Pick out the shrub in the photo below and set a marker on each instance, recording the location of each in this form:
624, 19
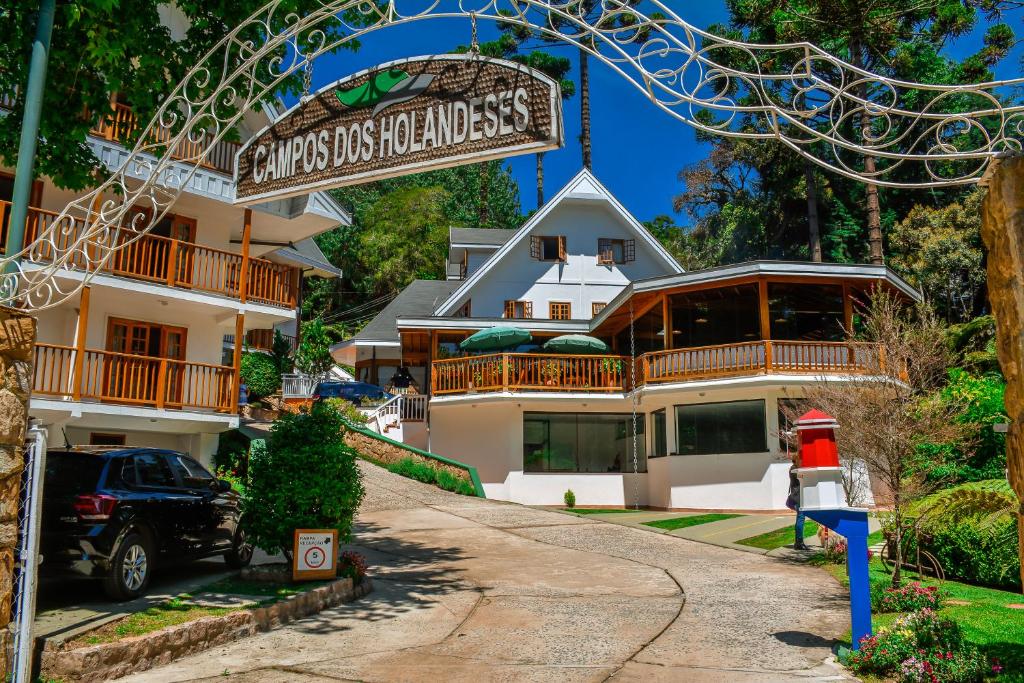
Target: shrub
352, 565
920, 647
232, 453
305, 478
348, 411
237, 482
907, 598
260, 375
569, 498
421, 471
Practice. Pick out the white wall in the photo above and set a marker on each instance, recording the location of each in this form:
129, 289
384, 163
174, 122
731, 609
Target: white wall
199, 446
580, 280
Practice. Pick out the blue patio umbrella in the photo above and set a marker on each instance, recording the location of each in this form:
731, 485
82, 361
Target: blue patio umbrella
496, 338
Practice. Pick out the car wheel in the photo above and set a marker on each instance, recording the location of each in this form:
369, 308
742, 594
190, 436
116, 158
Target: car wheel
130, 569
240, 554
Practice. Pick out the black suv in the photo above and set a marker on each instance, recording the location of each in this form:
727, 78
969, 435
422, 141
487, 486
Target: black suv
116, 513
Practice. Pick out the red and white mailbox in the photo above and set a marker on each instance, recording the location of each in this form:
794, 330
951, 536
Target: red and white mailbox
821, 476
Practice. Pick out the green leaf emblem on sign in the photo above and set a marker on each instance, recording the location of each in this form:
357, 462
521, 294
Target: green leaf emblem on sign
369, 93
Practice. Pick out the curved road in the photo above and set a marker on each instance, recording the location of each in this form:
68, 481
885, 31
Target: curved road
474, 590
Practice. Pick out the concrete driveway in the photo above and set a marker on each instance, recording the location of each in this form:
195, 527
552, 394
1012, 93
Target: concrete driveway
472, 590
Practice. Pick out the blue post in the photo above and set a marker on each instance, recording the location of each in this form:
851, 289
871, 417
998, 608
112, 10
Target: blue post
853, 524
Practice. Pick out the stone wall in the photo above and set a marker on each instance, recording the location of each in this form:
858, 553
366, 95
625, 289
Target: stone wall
388, 453
1002, 229
17, 340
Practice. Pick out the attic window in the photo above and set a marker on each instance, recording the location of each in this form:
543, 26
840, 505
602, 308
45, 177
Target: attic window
464, 310
518, 309
559, 310
596, 307
611, 251
545, 248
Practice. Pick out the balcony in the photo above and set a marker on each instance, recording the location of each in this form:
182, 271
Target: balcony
175, 263
120, 378
525, 372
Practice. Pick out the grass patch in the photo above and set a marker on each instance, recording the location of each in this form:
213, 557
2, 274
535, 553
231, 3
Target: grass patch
236, 586
988, 621
170, 613
443, 479
692, 520
779, 537
588, 511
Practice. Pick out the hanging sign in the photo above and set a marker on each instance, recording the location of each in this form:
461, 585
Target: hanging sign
314, 555
398, 118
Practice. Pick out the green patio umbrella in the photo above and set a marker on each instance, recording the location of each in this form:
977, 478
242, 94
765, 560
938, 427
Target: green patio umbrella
575, 343
495, 338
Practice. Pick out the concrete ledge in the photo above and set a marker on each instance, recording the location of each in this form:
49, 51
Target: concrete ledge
132, 655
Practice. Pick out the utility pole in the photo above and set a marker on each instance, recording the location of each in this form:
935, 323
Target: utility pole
30, 127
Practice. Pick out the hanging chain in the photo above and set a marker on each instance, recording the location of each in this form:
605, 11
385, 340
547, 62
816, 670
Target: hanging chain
474, 44
636, 405
307, 77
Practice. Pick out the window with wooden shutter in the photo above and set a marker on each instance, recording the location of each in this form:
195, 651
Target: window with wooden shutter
561, 248
535, 247
527, 309
630, 251
559, 310
596, 307
611, 251
518, 309
545, 248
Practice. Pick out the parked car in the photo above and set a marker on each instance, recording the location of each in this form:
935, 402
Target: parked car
117, 513
354, 392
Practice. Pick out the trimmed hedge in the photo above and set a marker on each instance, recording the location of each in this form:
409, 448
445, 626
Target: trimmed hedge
260, 375
407, 467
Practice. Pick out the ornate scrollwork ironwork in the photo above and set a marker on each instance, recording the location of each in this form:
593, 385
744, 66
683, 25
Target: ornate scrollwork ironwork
918, 134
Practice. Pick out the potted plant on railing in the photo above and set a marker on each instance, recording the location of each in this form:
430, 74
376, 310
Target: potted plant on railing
611, 365
550, 372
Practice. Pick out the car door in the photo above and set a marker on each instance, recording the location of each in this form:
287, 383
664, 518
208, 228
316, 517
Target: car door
215, 513
159, 500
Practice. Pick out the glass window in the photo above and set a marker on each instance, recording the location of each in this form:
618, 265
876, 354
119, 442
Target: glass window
648, 332
805, 312
192, 474
582, 442
659, 438
715, 316
152, 470
789, 410
711, 428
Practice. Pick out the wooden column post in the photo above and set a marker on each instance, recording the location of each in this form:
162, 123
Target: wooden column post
237, 359
431, 355
83, 329
1002, 230
766, 322
243, 278
666, 319
851, 357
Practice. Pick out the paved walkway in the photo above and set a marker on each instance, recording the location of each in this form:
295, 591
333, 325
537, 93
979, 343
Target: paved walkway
473, 590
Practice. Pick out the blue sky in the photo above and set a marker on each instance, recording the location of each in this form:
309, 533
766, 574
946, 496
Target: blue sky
638, 149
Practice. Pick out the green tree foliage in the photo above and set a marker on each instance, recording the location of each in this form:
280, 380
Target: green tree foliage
232, 454
305, 478
313, 356
974, 345
101, 47
939, 250
281, 353
260, 374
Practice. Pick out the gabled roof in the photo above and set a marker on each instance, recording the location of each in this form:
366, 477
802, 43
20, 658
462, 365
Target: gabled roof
306, 255
583, 187
479, 237
418, 299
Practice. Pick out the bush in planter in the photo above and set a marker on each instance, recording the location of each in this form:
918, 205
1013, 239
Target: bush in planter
907, 598
260, 375
348, 411
305, 478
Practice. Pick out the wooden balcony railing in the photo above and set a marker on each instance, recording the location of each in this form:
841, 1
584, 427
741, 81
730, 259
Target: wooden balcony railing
530, 372
160, 259
540, 372
112, 377
121, 123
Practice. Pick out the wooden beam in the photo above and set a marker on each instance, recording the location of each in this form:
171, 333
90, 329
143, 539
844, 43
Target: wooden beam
762, 296
666, 320
243, 284
237, 360
83, 329
847, 308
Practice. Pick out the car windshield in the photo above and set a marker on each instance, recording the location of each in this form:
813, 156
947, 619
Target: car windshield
72, 473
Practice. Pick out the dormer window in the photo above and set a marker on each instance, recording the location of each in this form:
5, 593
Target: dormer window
611, 251
544, 248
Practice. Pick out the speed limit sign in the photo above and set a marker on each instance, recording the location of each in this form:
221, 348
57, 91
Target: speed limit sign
315, 554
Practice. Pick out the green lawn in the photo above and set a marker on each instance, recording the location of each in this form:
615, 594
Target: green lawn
779, 537
692, 520
591, 511
987, 619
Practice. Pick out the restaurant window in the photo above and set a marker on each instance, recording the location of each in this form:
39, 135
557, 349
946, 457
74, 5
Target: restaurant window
723, 315
648, 333
582, 442
659, 437
545, 248
789, 410
596, 307
805, 312
713, 428
559, 310
518, 309
611, 251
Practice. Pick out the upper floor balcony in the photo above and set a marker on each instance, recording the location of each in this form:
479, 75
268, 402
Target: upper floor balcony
538, 372
176, 263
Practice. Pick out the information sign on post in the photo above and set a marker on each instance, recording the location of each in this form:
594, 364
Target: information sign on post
315, 554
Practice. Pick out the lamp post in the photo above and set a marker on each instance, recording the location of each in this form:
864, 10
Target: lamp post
30, 128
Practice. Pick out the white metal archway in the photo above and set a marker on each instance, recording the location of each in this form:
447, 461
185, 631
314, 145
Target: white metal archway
794, 93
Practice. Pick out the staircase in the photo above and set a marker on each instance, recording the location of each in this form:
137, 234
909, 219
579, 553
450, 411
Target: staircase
391, 418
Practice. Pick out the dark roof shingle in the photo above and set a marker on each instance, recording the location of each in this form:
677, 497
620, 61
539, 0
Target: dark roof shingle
420, 298
484, 237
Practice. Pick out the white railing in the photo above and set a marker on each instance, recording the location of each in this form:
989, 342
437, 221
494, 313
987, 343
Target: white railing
298, 386
414, 407
386, 416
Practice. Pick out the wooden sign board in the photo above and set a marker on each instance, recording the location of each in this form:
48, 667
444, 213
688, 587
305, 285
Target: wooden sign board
315, 554
398, 118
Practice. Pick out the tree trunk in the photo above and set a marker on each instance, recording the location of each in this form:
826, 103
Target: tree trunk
897, 558
540, 179
1002, 230
482, 211
813, 230
870, 189
585, 109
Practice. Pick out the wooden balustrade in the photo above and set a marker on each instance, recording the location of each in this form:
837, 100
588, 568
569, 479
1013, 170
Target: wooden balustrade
529, 371
112, 377
541, 372
260, 339
122, 123
155, 258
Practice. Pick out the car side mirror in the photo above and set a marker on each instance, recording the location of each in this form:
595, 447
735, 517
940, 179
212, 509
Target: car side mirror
221, 485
